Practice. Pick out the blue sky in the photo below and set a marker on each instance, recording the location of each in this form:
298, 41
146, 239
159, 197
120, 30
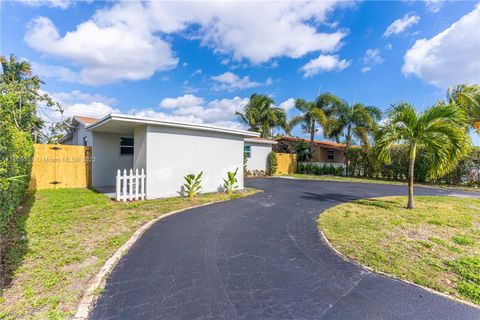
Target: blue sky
200, 62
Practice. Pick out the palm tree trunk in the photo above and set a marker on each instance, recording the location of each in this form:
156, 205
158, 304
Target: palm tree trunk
312, 139
347, 145
411, 168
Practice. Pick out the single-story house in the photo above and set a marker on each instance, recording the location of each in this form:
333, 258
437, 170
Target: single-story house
256, 151
166, 150
323, 151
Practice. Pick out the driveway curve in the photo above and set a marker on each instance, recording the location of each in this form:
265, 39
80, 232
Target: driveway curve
262, 257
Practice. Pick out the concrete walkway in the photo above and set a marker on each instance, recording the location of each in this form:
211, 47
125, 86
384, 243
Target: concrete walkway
261, 257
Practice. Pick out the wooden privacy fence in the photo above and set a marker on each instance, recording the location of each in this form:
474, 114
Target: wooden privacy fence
286, 163
61, 166
130, 186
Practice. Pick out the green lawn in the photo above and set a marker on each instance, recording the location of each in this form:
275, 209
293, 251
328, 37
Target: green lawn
436, 245
369, 180
63, 237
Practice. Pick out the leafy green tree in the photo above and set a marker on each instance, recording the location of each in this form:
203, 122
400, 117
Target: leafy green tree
303, 151
19, 96
439, 130
57, 130
467, 98
313, 114
353, 122
261, 115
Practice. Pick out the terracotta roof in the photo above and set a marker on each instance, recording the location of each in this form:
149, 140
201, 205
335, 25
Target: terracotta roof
85, 120
326, 144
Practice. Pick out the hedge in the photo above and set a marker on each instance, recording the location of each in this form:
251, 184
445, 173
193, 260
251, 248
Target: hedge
16, 154
312, 168
362, 162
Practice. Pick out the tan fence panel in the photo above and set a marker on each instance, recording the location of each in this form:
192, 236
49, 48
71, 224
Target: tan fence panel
286, 163
61, 166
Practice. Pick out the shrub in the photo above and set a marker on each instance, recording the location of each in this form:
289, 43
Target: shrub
16, 153
192, 184
302, 149
230, 183
272, 163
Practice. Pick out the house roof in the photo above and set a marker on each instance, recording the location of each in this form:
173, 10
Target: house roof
260, 140
85, 120
325, 144
115, 121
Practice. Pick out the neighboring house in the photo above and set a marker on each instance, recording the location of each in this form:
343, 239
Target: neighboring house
256, 152
323, 151
79, 135
166, 150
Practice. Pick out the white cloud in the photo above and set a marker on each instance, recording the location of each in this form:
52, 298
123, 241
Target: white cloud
230, 81
434, 6
77, 103
402, 24
451, 57
324, 63
372, 56
58, 72
105, 52
61, 4
185, 101
196, 73
366, 69
287, 104
219, 112
127, 40
77, 96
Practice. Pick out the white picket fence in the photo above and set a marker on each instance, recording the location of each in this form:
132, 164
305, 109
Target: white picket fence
130, 186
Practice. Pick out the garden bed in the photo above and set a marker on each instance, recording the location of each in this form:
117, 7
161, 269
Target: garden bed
436, 245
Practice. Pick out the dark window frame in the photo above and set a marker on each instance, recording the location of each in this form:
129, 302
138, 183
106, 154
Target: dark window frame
247, 154
126, 149
331, 155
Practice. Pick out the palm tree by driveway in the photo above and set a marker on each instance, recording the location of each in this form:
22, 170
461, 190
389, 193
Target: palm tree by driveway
356, 121
440, 130
467, 98
261, 115
313, 114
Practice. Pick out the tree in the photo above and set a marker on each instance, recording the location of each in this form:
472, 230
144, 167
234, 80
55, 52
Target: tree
19, 96
262, 116
57, 130
356, 121
313, 114
439, 130
467, 98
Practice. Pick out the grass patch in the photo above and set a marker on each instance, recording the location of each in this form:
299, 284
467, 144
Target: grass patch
436, 245
63, 237
376, 181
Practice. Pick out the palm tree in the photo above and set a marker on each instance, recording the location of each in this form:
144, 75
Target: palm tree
440, 130
262, 116
313, 114
14, 71
356, 121
467, 98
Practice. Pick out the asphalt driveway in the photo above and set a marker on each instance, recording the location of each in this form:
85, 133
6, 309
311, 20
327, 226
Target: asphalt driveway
262, 257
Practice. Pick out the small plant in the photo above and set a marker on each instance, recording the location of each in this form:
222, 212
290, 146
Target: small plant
231, 182
272, 163
463, 240
192, 184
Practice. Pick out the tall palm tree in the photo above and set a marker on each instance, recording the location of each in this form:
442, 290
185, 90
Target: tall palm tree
355, 121
440, 130
14, 71
313, 114
467, 98
261, 115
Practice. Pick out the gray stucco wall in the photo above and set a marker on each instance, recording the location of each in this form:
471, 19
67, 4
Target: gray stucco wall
172, 153
107, 158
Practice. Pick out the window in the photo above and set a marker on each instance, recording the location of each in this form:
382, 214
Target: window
330, 155
85, 141
247, 151
126, 146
